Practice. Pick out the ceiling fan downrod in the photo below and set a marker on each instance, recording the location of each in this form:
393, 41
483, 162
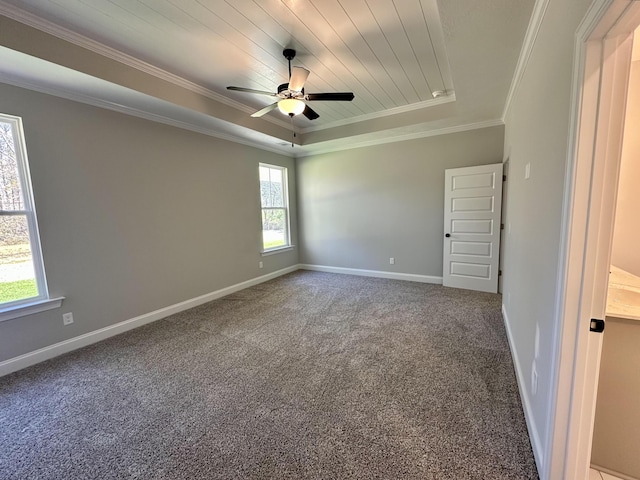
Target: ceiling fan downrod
289, 54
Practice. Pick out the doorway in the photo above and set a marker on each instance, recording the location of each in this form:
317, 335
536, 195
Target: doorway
617, 418
603, 59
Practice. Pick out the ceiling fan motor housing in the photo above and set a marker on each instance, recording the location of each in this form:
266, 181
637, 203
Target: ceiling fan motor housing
283, 91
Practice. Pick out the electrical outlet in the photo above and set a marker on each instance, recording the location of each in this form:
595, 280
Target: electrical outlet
260, 264
527, 171
67, 318
534, 379
392, 261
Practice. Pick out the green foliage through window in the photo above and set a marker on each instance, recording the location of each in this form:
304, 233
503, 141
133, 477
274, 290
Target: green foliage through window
17, 219
274, 202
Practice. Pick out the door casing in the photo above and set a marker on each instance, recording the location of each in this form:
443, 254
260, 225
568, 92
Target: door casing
601, 73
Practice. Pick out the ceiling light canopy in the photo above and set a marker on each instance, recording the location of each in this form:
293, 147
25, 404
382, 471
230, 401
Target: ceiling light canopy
291, 106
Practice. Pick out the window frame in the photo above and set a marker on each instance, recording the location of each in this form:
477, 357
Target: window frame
42, 301
285, 197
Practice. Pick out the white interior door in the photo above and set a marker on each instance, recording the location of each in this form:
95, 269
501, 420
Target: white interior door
472, 209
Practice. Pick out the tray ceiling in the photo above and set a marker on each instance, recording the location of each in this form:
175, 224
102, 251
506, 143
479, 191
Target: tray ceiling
393, 54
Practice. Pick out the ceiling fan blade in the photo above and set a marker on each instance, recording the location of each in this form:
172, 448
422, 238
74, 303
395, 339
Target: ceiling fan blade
251, 90
265, 110
338, 96
309, 113
298, 77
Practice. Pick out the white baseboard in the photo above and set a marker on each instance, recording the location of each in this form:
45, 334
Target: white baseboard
538, 451
46, 353
17, 363
411, 277
613, 473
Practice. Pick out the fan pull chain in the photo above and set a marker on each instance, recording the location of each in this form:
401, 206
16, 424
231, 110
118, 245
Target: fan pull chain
293, 132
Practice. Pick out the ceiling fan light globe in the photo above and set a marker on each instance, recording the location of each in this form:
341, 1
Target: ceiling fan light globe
291, 106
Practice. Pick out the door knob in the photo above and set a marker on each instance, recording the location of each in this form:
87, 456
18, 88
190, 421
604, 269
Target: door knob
447, 235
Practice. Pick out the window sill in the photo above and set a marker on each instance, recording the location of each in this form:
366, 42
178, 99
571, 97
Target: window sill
37, 306
273, 251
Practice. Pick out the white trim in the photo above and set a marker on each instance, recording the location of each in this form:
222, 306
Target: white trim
401, 138
597, 110
573, 226
539, 10
51, 351
29, 308
383, 113
135, 112
12, 309
273, 251
534, 435
292, 153
27, 18
284, 175
31, 20
411, 277
616, 475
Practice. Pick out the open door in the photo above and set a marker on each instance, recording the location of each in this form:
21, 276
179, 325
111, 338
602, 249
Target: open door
472, 210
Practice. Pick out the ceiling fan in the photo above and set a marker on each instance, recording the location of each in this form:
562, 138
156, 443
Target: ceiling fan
291, 95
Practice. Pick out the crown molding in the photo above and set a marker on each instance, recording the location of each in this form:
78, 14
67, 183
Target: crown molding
402, 138
31, 20
384, 113
136, 112
67, 35
116, 107
539, 11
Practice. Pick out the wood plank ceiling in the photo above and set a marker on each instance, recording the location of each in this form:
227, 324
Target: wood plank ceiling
175, 58
389, 53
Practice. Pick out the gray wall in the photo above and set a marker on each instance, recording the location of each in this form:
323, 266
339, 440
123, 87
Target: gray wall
134, 215
537, 129
359, 207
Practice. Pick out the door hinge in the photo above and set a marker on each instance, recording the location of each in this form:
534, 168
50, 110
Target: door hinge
499, 273
597, 325
502, 226
504, 178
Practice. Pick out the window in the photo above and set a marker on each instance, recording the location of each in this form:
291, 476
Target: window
275, 207
22, 280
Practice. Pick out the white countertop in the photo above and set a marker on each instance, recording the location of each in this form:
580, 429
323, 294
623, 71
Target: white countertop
623, 299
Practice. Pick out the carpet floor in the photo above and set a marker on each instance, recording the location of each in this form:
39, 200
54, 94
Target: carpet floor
309, 376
